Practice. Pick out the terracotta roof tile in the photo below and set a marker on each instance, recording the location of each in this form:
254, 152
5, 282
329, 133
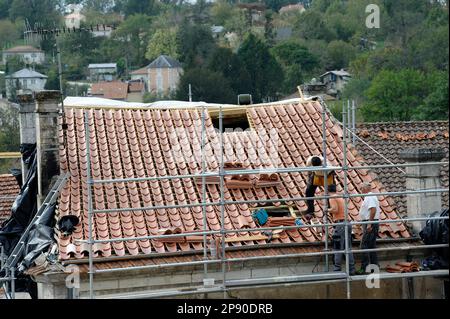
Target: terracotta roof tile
128, 143
391, 137
115, 90
9, 189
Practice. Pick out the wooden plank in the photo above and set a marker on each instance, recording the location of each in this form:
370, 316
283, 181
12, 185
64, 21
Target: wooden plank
10, 155
249, 238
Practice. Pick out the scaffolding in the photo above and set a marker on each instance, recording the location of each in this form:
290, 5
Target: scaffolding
229, 285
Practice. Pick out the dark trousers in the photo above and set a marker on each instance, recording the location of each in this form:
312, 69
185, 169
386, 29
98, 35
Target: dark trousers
368, 241
310, 192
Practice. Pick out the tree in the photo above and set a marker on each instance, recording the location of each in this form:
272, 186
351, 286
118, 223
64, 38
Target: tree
162, 42
394, 96
227, 63
42, 11
130, 7
265, 72
206, 86
195, 44
4, 8
435, 105
297, 63
9, 33
133, 34
311, 25
339, 55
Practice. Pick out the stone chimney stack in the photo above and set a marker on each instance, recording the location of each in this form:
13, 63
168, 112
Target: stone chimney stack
422, 177
47, 112
27, 119
39, 124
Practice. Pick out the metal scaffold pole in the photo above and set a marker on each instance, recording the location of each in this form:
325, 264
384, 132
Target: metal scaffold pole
203, 143
346, 230
325, 184
222, 206
90, 208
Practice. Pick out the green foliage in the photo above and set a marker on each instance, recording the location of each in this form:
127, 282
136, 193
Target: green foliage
394, 96
162, 42
435, 105
195, 44
339, 55
297, 63
207, 86
35, 11
265, 72
227, 63
133, 34
9, 33
130, 7
9, 129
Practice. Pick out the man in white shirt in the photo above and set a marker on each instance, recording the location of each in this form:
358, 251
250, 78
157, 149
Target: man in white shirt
369, 211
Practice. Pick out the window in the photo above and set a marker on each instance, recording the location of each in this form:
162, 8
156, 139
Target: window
33, 81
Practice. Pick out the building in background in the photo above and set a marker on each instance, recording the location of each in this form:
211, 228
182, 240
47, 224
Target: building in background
27, 54
291, 8
24, 81
162, 75
102, 72
335, 81
74, 19
132, 91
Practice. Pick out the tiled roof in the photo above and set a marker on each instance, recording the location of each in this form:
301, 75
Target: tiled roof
22, 48
164, 61
392, 137
110, 90
143, 70
26, 73
128, 143
8, 189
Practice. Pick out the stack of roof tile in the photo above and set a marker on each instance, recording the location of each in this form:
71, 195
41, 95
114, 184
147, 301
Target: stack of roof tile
401, 267
126, 143
9, 189
392, 137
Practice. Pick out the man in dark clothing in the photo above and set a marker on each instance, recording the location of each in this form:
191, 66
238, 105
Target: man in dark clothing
316, 179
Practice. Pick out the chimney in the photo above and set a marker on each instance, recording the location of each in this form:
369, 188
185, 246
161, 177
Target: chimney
422, 177
39, 125
47, 112
27, 120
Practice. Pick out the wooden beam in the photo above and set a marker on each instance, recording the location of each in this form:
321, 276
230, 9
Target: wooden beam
10, 155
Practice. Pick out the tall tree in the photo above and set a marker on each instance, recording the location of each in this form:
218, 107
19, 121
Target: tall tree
42, 11
162, 42
207, 86
224, 61
265, 72
195, 44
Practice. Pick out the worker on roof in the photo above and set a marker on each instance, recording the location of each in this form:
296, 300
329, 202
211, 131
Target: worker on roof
316, 179
338, 216
370, 212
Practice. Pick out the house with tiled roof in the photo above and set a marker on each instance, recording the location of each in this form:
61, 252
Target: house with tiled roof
9, 188
161, 76
27, 53
132, 91
144, 143
383, 143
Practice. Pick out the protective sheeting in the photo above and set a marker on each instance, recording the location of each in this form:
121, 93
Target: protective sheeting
39, 238
435, 232
25, 206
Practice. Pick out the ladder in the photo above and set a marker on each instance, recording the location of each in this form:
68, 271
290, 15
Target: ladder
51, 197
